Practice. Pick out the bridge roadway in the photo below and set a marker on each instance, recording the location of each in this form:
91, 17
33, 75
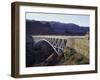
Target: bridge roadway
56, 36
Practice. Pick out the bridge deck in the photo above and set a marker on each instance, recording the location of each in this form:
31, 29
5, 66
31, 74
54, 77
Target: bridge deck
56, 36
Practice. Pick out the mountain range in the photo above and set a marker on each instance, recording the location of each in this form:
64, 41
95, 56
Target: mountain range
34, 27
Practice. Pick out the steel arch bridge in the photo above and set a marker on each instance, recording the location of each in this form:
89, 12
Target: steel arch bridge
58, 43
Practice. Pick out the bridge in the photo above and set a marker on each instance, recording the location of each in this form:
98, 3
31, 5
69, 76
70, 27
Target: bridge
58, 43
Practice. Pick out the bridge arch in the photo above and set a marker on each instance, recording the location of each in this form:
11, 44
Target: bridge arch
49, 44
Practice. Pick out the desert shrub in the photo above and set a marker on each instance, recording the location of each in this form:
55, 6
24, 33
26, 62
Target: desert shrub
73, 57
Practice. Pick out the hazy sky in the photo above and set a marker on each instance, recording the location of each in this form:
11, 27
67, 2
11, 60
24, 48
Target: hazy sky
82, 20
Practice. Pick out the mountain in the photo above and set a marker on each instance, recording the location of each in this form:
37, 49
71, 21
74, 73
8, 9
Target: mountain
69, 29
38, 28
34, 27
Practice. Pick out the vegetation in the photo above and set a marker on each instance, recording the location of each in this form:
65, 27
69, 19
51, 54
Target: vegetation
71, 57
82, 46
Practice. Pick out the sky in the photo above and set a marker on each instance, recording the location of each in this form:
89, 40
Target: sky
81, 20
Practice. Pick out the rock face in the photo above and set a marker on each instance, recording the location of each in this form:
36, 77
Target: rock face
39, 54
